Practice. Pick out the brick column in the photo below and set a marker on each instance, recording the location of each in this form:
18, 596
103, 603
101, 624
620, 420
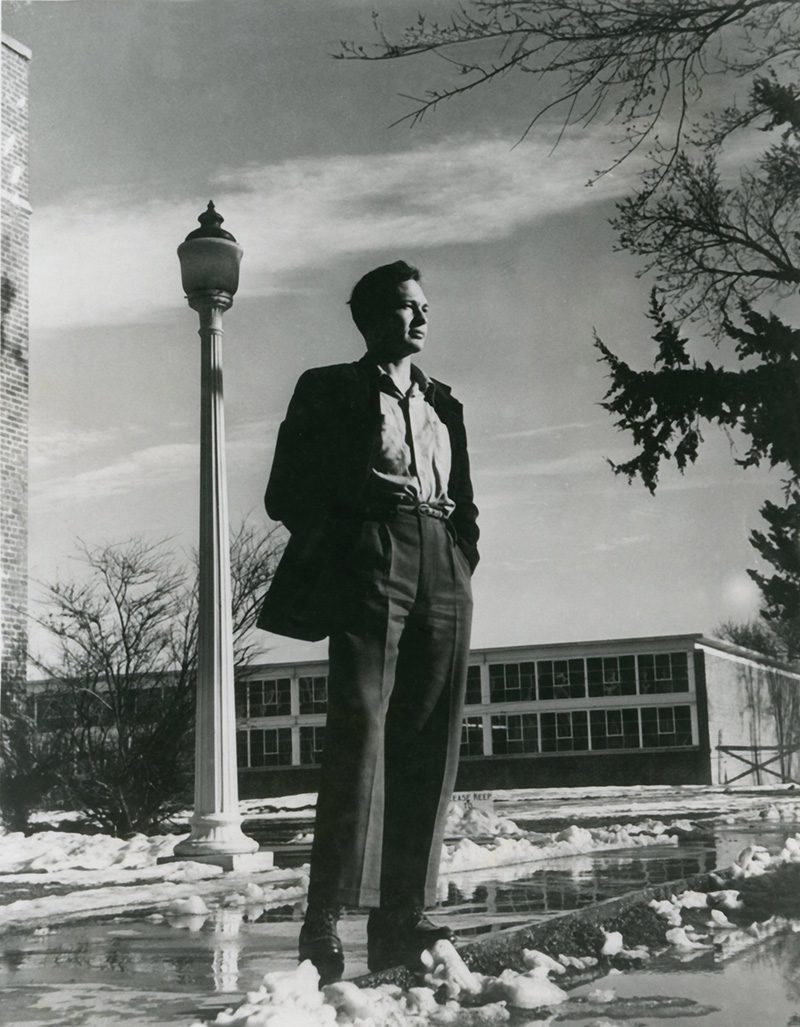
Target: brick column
16, 213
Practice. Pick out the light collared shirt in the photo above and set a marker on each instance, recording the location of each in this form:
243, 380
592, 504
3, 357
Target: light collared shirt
413, 462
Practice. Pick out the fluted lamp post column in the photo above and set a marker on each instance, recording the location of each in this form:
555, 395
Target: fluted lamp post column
209, 260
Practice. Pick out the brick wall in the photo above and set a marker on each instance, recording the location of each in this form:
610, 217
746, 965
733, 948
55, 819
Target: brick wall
14, 364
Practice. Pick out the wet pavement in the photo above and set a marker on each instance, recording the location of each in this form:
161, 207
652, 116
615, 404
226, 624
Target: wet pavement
758, 987
153, 970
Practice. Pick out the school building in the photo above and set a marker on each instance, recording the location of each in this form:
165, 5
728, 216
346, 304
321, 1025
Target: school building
670, 709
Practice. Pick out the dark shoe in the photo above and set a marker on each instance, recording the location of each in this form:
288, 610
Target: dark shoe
320, 943
397, 937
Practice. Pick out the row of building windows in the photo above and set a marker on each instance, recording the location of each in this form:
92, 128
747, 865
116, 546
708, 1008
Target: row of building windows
273, 698
580, 731
272, 746
512, 734
593, 677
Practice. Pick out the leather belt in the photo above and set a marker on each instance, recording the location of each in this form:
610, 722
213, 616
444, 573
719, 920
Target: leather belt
425, 509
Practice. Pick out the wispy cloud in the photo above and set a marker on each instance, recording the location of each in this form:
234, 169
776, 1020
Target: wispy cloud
548, 429
57, 444
581, 462
143, 468
153, 466
97, 260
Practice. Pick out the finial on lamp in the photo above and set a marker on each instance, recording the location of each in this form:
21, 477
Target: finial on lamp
210, 225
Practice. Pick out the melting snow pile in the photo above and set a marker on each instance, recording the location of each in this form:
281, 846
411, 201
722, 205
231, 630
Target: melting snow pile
775, 812
450, 995
106, 874
690, 939
510, 845
57, 851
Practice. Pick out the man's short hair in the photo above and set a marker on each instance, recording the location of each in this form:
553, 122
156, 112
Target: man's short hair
372, 292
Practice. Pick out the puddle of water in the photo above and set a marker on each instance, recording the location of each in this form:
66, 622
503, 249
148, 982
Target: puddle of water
99, 1005
760, 986
526, 894
222, 952
573, 882
133, 970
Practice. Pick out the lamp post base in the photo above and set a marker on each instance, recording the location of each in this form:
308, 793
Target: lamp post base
249, 862
218, 838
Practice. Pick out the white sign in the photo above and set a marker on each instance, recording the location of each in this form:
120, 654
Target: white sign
475, 800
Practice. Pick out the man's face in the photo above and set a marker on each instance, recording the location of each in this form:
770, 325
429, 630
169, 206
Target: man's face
400, 329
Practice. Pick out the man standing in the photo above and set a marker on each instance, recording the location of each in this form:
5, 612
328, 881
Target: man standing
371, 477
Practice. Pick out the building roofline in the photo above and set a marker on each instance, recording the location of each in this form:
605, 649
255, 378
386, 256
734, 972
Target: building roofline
16, 46
686, 641
597, 643
740, 651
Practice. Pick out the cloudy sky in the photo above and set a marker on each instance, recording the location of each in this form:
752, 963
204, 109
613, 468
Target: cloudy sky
143, 110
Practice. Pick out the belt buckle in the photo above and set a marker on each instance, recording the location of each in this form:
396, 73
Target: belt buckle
429, 510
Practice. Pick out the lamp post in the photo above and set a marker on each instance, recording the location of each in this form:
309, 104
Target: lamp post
209, 259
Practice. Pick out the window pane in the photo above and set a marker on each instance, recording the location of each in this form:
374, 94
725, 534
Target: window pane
472, 736
615, 729
666, 721
594, 676
667, 726
313, 694
473, 685
577, 679
680, 672
497, 682
270, 698
530, 732
527, 676
547, 725
544, 670
499, 736
312, 740
649, 727
284, 747
664, 672
511, 682
611, 675
241, 749
514, 733
683, 725
580, 730
627, 675
630, 729
271, 747
564, 732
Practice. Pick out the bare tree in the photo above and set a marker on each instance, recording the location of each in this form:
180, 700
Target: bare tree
680, 76
119, 707
640, 62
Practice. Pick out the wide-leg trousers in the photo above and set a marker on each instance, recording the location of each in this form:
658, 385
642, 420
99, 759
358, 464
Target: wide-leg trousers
397, 678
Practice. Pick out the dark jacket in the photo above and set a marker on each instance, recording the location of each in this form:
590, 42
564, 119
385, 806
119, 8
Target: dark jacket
324, 455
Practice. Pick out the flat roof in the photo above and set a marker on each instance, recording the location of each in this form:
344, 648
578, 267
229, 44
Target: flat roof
541, 650
16, 46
